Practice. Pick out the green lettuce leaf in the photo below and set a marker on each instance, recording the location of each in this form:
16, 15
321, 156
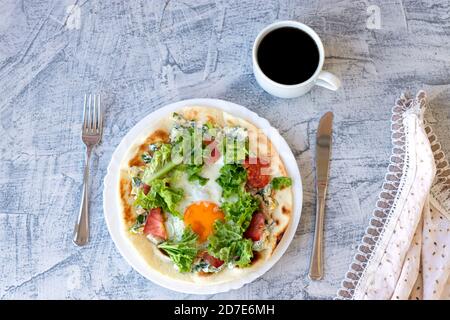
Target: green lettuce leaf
228, 245
244, 250
232, 179
241, 211
182, 253
193, 173
160, 164
279, 183
148, 201
162, 195
171, 196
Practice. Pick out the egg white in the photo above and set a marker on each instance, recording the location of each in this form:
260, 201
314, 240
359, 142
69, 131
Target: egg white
194, 192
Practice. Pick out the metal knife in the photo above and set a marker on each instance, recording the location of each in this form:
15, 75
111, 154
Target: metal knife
323, 152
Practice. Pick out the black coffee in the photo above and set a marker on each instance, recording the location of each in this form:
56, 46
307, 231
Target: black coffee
288, 55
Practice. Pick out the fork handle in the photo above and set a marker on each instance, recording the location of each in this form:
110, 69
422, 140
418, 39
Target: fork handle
81, 232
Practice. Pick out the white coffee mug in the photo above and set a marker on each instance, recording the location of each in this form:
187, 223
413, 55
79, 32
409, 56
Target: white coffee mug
321, 78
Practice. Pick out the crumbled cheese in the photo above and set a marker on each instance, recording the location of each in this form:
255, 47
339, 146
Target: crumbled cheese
261, 244
204, 266
238, 133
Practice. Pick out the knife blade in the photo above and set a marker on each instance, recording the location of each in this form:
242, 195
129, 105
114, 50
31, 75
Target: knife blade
323, 154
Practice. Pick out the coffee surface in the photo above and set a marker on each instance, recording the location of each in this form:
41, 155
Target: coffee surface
288, 56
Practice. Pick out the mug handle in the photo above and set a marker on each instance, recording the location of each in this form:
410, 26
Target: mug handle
328, 80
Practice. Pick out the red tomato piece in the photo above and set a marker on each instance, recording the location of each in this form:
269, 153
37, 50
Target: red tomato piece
145, 188
212, 260
256, 227
257, 175
155, 224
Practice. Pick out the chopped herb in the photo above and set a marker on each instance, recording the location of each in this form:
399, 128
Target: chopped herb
146, 157
138, 226
136, 182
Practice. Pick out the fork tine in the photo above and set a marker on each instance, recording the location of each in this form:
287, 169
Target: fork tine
85, 113
100, 115
90, 114
94, 115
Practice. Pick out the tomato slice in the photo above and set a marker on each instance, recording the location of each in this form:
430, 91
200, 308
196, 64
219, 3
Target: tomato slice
145, 188
257, 176
256, 227
155, 224
212, 260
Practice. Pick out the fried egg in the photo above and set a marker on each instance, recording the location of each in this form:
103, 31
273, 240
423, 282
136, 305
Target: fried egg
200, 216
200, 202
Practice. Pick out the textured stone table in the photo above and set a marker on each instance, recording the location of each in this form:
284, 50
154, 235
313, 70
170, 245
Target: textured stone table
144, 55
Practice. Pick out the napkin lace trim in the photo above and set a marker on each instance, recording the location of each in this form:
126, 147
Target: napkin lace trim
392, 186
441, 186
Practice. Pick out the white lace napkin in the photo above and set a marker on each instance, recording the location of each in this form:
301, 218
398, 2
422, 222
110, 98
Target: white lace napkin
405, 253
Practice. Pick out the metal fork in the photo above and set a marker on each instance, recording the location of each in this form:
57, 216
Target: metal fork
91, 134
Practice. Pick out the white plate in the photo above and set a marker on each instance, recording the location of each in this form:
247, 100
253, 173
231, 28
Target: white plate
113, 215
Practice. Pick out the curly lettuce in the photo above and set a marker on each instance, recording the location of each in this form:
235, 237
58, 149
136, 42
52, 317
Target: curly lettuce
183, 252
279, 183
228, 244
161, 195
241, 211
232, 179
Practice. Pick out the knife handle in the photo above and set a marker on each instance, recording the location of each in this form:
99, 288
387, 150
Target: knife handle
316, 264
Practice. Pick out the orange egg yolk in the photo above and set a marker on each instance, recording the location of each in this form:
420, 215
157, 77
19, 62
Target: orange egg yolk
201, 217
